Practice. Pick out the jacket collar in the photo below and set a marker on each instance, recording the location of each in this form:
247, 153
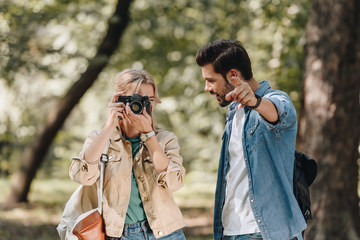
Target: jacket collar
264, 86
117, 140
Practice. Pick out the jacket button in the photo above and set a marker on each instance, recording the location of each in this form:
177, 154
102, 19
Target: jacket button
160, 233
85, 168
137, 158
259, 220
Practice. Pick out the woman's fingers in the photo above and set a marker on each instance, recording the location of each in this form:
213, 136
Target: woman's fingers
142, 122
115, 96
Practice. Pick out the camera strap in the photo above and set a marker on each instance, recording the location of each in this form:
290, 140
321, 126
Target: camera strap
103, 160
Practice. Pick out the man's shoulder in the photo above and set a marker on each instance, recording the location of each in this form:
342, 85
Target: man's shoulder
276, 95
274, 92
265, 90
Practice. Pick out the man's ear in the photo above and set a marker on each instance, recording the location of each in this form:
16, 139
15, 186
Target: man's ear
233, 73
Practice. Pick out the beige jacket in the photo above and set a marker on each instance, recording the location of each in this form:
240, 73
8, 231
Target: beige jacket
156, 190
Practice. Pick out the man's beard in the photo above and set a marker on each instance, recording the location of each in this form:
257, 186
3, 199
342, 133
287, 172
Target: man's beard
222, 101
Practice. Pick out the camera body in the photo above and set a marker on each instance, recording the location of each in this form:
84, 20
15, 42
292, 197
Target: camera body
136, 102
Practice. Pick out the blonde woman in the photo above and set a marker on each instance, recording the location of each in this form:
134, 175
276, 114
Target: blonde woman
144, 167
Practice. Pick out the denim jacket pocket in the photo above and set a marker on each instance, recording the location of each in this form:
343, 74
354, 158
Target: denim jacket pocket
253, 127
255, 236
254, 134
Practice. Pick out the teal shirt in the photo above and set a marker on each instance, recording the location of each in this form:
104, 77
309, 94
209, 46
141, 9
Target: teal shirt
135, 212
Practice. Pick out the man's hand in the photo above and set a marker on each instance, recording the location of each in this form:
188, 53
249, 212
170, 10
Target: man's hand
242, 92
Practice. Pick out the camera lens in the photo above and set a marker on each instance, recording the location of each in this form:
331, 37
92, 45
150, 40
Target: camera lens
136, 107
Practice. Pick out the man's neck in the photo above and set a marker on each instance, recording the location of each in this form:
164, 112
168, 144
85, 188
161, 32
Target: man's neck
253, 84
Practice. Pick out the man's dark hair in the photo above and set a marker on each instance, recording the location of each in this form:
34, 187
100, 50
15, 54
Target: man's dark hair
225, 55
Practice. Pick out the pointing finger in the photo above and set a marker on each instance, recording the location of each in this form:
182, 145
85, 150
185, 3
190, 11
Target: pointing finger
228, 96
235, 81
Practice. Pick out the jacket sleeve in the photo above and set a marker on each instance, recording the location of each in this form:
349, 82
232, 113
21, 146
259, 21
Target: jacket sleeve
173, 178
286, 111
82, 172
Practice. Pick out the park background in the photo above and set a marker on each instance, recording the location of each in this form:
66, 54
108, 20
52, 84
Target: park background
59, 58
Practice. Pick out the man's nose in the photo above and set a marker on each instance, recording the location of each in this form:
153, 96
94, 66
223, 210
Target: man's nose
207, 87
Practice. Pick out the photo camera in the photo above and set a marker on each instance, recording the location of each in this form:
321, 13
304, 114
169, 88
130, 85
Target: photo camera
136, 102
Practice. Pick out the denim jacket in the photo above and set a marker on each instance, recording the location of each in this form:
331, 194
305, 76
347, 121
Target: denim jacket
269, 158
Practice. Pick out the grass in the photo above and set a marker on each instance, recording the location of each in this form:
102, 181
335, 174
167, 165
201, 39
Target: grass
38, 218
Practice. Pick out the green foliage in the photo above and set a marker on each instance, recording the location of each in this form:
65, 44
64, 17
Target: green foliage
44, 48
46, 45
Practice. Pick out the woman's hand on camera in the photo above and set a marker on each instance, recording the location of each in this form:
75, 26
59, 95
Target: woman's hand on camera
141, 122
115, 111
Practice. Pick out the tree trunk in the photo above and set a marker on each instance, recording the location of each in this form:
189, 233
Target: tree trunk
34, 154
330, 117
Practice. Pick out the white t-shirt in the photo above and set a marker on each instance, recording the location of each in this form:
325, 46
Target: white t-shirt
237, 216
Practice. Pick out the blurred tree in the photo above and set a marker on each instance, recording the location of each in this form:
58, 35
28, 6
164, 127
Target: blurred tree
35, 152
44, 48
329, 126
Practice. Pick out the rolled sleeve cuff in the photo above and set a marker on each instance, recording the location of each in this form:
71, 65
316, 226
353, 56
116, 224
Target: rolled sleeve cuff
82, 171
284, 113
87, 167
172, 178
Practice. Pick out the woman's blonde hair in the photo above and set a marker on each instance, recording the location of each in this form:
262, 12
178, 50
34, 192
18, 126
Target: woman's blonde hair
130, 80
